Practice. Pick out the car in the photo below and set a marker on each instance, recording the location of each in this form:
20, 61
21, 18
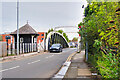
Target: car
56, 48
72, 44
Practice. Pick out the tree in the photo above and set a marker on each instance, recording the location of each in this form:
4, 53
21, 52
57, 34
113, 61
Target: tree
64, 34
0, 38
66, 37
60, 31
50, 30
102, 29
75, 39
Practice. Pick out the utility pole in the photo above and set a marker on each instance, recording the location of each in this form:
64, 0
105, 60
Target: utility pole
78, 47
17, 27
86, 47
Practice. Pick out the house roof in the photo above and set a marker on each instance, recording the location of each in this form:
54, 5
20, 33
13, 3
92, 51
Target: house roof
26, 29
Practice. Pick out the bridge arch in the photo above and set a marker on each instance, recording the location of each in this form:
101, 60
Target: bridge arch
55, 37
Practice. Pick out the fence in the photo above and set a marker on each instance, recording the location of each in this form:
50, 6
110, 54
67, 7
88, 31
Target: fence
3, 49
28, 47
9, 49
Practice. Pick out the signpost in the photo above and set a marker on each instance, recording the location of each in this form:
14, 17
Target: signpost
7, 37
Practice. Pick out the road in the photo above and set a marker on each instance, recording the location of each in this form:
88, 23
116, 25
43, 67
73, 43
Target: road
40, 66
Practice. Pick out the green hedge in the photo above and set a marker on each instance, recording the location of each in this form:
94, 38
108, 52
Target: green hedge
102, 29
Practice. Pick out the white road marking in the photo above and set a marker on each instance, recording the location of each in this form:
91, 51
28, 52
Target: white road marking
34, 62
50, 56
55, 53
9, 68
47, 57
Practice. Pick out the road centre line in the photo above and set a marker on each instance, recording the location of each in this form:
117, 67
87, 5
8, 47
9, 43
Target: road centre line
50, 56
47, 57
34, 62
55, 53
9, 68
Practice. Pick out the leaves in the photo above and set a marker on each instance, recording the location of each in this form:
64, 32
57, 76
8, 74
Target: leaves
102, 27
0, 38
108, 64
60, 31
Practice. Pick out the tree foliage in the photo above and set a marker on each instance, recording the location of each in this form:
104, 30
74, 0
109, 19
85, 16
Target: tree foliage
75, 39
102, 30
0, 38
66, 37
50, 30
60, 31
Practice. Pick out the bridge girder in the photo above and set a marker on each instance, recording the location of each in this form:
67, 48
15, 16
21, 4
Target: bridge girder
55, 37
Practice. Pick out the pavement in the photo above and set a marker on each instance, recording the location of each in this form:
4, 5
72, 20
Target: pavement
40, 66
78, 68
9, 58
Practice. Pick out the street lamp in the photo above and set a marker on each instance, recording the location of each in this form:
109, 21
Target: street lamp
86, 50
17, 27
79, 40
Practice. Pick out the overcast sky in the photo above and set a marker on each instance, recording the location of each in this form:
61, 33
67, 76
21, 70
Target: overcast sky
43, 15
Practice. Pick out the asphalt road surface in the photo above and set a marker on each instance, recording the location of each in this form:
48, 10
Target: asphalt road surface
40, 66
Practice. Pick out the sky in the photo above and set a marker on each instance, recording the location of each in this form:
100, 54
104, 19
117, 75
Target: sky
43, 15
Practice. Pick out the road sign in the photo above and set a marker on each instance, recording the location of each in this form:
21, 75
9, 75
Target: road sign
7, 37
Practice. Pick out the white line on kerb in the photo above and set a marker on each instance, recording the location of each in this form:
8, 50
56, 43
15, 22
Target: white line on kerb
10, 68
34, 62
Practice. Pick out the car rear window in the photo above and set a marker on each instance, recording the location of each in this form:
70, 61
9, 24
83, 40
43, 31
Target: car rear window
56, 45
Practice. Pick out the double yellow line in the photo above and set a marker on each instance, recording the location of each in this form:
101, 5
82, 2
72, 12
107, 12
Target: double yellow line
69, 58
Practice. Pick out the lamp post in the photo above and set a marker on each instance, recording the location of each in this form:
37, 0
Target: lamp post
17, 27
79, 39
86, 50
86, 47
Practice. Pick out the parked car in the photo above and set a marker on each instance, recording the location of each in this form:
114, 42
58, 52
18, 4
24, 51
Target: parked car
76, 44
72, 44
56, 48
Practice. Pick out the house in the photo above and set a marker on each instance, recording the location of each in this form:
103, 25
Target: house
26, 34
40, 37
29, 39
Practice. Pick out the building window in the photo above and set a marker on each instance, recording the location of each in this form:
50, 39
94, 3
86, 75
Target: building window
41, 38
42, 34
